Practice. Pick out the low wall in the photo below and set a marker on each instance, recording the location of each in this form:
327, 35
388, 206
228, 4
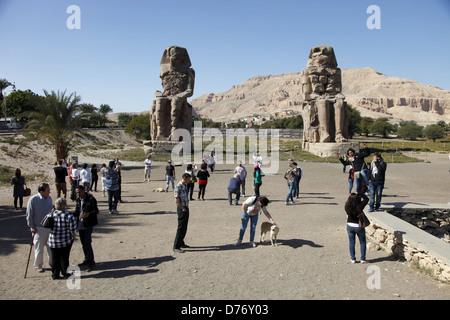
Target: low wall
415, 245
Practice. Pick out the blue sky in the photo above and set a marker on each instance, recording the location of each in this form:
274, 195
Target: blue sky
114, 58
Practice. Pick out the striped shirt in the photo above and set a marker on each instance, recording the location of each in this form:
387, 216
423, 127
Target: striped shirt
65, 226
181, 193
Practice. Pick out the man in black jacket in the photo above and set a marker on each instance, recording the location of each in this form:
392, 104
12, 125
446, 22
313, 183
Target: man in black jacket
86, 211
377, 174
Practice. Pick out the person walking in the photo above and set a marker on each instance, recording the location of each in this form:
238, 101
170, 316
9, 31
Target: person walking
298, 178
211, 161
75, 177
242, 171
257, 178
354, 206
147, 168
250, 210
86, 212
94, 178
377, 173
170, 175
290, 175
234, 187
112, 187
37, 207
19, 185
61, 238
60, 179
103, 175
85, 177
202, 177
182, 202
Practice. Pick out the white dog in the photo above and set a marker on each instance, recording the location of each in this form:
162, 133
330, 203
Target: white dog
266, 227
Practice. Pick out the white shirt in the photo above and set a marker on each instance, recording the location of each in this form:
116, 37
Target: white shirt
148, 163
75, 174
85, 176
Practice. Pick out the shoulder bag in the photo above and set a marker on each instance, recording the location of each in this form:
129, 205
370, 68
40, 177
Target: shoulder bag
363, 220
48, 221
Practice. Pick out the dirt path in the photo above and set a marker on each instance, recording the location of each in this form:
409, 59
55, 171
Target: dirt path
135, 260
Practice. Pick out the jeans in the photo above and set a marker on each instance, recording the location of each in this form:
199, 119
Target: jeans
86, 242
113, 194
243, 187
73, 195
183, 219
361, 232
190, 190
291, 186
236, 192
296, 188
363, 180
350, 186
376, 191
169, 179
253, 222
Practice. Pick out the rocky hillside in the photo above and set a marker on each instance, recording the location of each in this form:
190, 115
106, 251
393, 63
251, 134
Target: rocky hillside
374, 94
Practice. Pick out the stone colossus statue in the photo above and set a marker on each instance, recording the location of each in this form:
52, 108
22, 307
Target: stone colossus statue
324, 109
170, 110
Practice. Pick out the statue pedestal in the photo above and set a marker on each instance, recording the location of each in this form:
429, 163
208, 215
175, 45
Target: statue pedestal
156, 146
329, 149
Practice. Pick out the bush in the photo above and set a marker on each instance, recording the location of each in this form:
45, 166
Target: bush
410, 131
139, 127
434, 132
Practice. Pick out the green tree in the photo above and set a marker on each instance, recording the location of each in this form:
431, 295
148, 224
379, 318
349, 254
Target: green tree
139, 126
381, 126
410, 130
124, 118
433, 132
354, 120
104, 109
443, 125
365, 124
88, 116
3, 85
22, 101
294, 122
54, 121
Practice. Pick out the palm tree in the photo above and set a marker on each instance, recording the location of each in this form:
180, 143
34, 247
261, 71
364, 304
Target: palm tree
54, 120
3, 85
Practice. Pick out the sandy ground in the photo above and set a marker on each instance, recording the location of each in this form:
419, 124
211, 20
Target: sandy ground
134, 256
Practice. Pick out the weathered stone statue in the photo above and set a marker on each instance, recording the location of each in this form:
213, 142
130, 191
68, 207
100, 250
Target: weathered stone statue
324, 109
170, 110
